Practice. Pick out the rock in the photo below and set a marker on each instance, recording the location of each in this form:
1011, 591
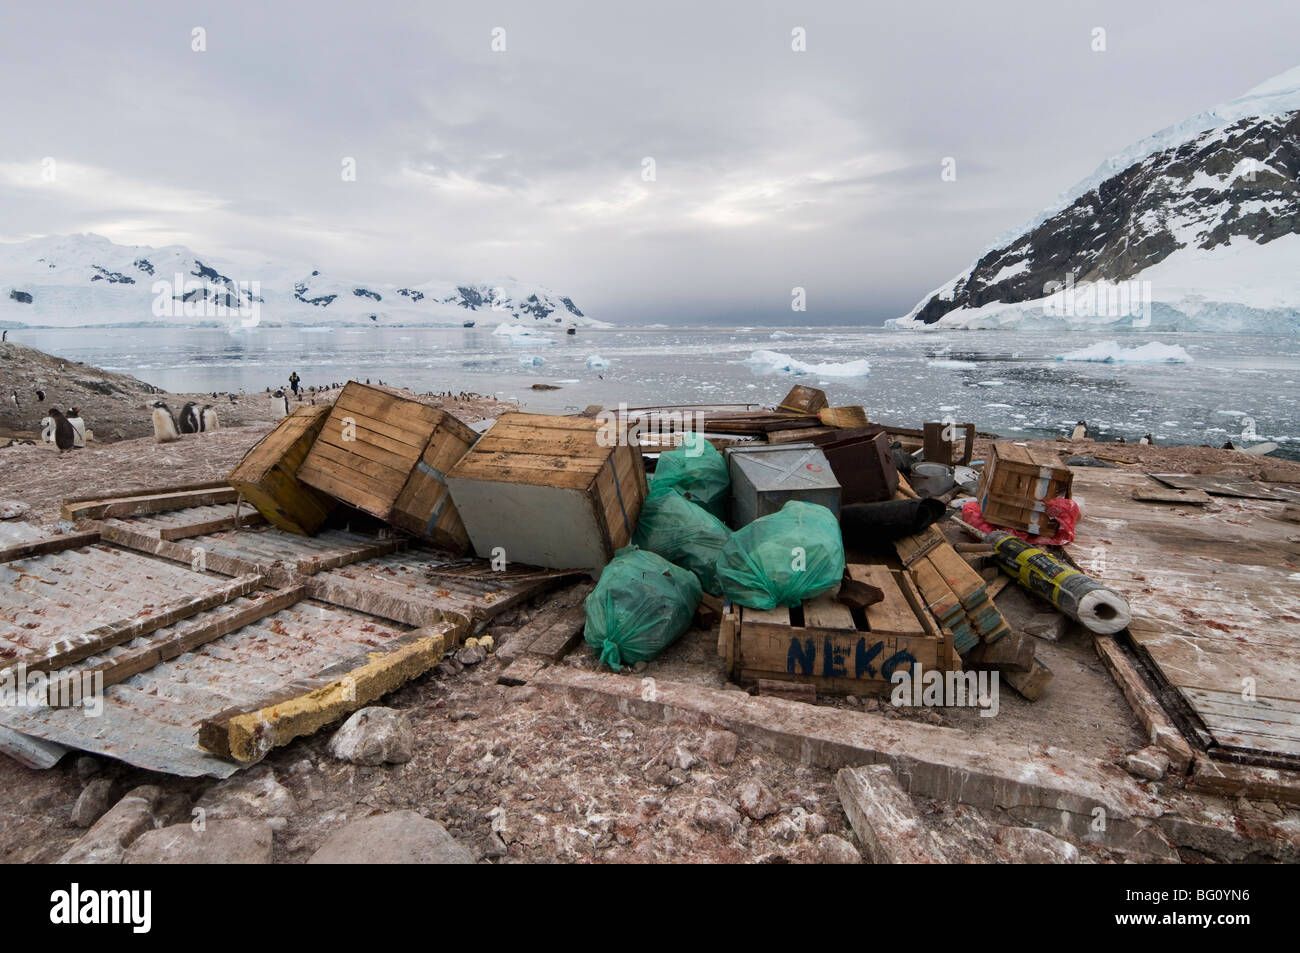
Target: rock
471, 654
713, 815
1029, 845
238, 840
815, 825
95, 799
255, 793
675, 778
756, 801
836, 850
402, 837
107, 841
496, 847
1150, 762
720, 747
374, 736
683, 758
87, 766
13, 509
785, 829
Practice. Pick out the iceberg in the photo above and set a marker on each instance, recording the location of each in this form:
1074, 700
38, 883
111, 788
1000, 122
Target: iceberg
774, 362
1110, 352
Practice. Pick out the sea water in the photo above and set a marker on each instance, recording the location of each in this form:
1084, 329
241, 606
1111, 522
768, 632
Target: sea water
1191, 388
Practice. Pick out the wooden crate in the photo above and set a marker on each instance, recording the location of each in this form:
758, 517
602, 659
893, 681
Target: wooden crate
388, 454
803, 399
266, 474
545, 491
1016, 483
824, 644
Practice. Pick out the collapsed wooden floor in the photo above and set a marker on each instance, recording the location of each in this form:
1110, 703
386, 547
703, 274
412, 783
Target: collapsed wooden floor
1216, 589
215, 642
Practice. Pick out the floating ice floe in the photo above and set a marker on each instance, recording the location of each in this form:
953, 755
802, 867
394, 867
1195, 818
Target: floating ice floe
774, 362
597, 361
531, 360
519, 331
953, 365
1110, 352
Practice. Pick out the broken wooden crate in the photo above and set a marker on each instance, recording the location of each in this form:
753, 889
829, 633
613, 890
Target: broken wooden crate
266, 476
838, 650
545, 491
388, 454
1016, 483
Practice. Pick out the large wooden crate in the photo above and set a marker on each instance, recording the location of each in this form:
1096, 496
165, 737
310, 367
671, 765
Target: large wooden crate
266, 474
544, 491
824, 644
1016, 483
388, 454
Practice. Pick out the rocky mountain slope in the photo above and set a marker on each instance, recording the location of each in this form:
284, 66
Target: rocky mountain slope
1196, 227
87, 280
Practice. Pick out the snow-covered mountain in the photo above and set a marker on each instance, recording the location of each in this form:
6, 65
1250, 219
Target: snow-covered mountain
1196, 227
80, 280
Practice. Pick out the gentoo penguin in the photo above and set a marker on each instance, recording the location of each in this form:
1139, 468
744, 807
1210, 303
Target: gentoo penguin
40, 396
14, 398
208, 419
78, 428
232, 398
164, 423
47, 430
63, 436
189, 418
1120, 440
1148, 439
1080, 431
286, 404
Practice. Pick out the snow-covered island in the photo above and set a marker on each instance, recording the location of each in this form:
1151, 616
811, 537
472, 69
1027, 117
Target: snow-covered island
1194, 228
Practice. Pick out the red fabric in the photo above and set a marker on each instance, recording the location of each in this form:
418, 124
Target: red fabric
1065, 512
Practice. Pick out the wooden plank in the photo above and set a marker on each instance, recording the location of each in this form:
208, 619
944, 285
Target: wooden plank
824, 612
48, 544
894, 613
1160, 494
1223, 486
1240, 780
153, 502
247, 733
794, 691
250, 517
1031, 684
521, 670
561, 635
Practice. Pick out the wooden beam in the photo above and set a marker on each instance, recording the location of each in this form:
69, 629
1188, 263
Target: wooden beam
251, 518
247, 734
93, 641
1158, 726
151, 501
1243, 780
48, 544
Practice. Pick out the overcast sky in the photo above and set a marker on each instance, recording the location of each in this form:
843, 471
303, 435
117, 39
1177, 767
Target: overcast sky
772, 168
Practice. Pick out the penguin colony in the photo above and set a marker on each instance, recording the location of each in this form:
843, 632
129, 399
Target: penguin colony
193, 419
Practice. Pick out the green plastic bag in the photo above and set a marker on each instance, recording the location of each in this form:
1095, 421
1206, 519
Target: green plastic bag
697, 471
690, 536
783, 558
641, 605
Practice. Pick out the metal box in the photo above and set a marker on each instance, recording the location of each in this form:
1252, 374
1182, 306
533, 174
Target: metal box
544, 491
765, 478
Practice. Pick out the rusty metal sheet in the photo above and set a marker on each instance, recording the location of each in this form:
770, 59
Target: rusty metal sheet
151, 720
